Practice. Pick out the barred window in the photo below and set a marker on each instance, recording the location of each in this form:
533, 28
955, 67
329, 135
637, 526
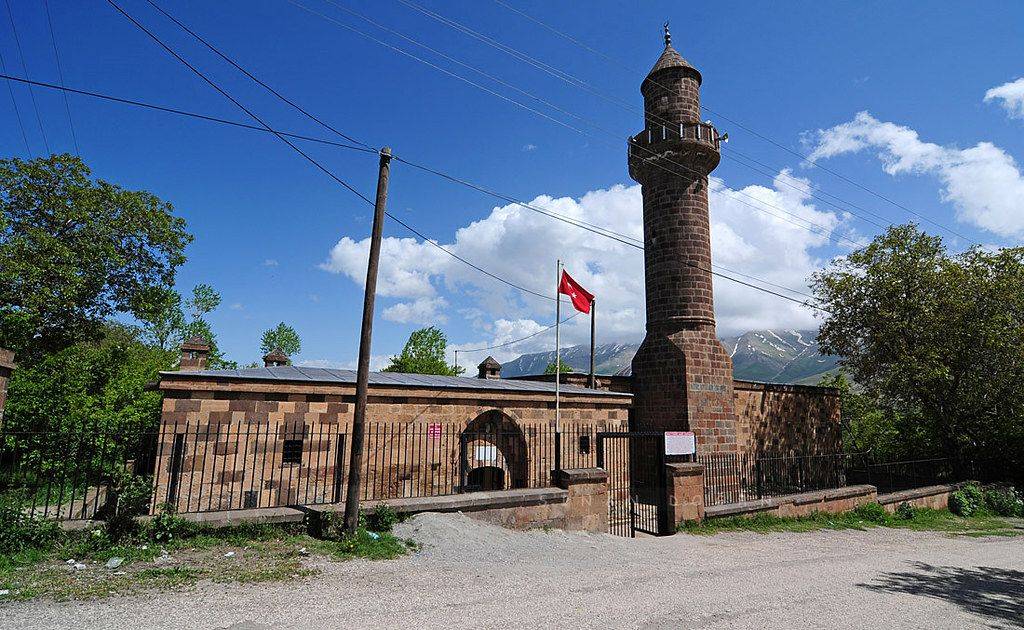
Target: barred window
292, 452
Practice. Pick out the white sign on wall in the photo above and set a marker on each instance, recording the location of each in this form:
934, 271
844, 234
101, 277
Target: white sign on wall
680, 443
488, 453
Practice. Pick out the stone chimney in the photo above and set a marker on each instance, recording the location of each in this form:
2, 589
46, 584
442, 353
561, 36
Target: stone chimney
6, 367
195, 353
276, 358
489, 369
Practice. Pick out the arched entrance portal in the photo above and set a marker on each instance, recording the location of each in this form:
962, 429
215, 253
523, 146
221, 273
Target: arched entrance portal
494, 454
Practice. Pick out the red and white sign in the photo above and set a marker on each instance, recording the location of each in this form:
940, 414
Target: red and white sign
434, 431
680, 443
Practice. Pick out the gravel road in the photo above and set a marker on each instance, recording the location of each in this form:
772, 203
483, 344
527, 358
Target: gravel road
473, 575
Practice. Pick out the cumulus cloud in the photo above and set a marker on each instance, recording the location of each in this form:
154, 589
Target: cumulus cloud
521, 246
983, 182
420, 311
1011, 97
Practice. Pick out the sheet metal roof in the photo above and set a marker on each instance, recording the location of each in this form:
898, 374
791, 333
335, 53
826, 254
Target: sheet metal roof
298, 374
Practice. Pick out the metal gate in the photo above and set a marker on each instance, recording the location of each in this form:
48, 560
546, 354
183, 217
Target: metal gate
635, 463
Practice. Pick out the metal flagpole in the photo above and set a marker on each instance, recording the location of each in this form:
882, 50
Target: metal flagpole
593, 309
558, 350
558, 366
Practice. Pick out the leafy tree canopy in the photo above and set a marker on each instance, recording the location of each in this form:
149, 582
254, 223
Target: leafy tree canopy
936, 338
282, 337
424, 354
560, 366
75, 251
166, 324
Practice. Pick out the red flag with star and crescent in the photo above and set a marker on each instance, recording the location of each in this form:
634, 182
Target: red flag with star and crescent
580, 297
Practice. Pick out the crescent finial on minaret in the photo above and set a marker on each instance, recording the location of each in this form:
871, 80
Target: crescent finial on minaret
668, 36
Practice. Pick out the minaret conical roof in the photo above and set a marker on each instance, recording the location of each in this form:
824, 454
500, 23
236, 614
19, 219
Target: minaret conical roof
670, 58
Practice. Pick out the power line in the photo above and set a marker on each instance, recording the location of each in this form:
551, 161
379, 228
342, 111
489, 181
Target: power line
210, 82
600, 231
746, 128
521, 339
14, 102
248, 74
24, 67
308, 114
60, 74
811, 225
180, 112
321, 167
581, 84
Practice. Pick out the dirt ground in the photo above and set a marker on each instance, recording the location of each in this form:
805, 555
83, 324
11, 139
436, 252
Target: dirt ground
473, 575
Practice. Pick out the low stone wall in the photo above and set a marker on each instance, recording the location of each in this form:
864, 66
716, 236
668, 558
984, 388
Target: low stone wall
934, 497
834, 500
685, 487
580, 503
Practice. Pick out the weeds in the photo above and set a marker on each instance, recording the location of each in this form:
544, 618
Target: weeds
864, 517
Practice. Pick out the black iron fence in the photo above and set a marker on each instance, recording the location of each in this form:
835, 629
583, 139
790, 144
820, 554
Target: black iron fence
237, 466
733, 478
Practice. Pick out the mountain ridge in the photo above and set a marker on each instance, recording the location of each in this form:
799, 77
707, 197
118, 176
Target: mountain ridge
779, 356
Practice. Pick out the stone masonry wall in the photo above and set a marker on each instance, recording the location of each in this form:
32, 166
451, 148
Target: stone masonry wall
781, 420
234, 447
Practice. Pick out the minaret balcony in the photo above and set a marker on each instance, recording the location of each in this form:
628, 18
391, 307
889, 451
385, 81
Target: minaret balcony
682, 148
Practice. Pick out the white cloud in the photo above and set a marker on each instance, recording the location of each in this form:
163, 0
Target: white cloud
422, 310
529, 147
522, 246
983, 182
238, 306
270, 262
1012, 96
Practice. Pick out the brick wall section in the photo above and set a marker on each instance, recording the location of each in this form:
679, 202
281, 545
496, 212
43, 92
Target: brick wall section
685, 488
934, 497
834, 501
6, 368
682, 376
236, 437
587, 505
780, 420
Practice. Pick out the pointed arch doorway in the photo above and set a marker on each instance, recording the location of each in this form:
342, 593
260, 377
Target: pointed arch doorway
493, 454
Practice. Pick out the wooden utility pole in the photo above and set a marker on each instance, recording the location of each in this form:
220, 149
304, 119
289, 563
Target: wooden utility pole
355, 476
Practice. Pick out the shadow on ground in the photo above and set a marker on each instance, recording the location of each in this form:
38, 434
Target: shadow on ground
993, 593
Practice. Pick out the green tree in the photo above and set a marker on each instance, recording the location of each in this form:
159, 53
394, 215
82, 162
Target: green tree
424, 353
867, 427
282, 337
166, 324
80, 409
75, 251
937, 339
561, 366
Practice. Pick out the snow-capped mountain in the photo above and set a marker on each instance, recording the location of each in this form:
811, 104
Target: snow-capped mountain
779, 356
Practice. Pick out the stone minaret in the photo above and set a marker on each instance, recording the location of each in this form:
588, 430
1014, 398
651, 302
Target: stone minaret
682, 376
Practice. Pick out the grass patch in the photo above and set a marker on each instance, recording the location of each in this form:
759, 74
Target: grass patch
864, 517
75, 566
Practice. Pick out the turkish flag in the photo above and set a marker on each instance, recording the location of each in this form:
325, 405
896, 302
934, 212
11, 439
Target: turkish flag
581, 298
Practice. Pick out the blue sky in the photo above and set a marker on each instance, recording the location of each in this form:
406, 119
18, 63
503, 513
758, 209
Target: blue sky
282, 242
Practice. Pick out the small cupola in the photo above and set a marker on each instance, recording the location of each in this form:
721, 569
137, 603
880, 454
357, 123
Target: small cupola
489, 369
276, 358
195, 353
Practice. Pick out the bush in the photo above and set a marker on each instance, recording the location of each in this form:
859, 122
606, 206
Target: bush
966, 501
167, 526
382, 519
906, 512
20, 531
1004, 501
130, 495
871, 512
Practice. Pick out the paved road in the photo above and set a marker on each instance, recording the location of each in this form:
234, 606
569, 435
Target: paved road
477, 576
